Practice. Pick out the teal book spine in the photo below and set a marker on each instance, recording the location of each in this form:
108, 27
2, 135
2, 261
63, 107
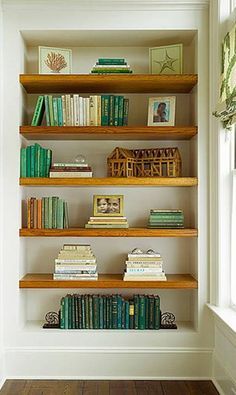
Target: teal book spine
157, 315
108, 320
59, 111
65, 216
104, 298
126, 314
105, 110
36, 159
136, 311
141, 320
123, 314
131, 314
114, 311
111, 110
41, 160
46, 212
90, 311
146, 312
113, 61
73, 313
32, 161
79, 310
76, 312
48, 161
54, 212
116, 111
51, 115
23, 162
67, 312
50, 212
38, 112
95, 312
119, 312
120, 110
83, 312
28, 161
47, 110
86, 311
101, 314
126, 112
62, 314
151, 312
55, 111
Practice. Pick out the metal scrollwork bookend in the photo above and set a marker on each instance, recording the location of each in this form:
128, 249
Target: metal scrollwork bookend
168, 321
52, 320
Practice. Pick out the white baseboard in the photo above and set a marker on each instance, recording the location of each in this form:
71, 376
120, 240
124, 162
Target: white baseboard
223, 381
75, 364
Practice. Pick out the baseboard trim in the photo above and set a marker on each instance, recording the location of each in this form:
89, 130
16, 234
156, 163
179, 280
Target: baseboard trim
223, 381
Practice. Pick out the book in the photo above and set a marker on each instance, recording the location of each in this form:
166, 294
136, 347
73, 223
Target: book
103, 226
70, 174
111, 61
128, 277
155, 255
38, 112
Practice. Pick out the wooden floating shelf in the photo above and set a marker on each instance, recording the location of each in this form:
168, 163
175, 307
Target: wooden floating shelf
112, 181
174, 281
108, 132
89, 83
129, 232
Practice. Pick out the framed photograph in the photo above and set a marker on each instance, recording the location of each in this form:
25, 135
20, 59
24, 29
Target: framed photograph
166, 60
55, 60
161, 111
108, 205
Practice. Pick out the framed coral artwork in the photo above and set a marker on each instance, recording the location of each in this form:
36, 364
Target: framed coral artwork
55, 60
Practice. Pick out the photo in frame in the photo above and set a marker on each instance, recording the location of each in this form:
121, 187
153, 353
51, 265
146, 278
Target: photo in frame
161, 111
167, 59
55, 60
108, 205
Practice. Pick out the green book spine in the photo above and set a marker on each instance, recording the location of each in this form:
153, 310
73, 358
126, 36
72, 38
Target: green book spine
112, 61
108, 324
72, 311
90, 311
127, 314
79, 310
114, 311
65, 215
111, 110
151, 312
146, 312
131, 314
50, 212
122, 314
32, 162
157, 316
66, 312
46, 212
111, 71
95, 312
116, 110
76, 312
101, 313
104, 298
60, 214
120, 110
48, 161
119, 312
136, 311
62, 314
36, 159
51, 115
141, 321
41, 156
83, 311
43, 160
126, 112
110, 315
55, 113
105, 110
86, 311
47, 110
23, 162
59, 111
38, 112
54, 212
43, 213
28, 161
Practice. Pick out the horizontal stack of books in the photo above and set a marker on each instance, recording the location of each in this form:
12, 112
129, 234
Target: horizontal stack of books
47, 213
73, 110
111, 66
70, 170
166, 219
75, 262
144, 267
110, 312
107, 222
35, 161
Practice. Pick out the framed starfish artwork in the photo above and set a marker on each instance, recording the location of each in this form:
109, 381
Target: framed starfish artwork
55, 60
166, 60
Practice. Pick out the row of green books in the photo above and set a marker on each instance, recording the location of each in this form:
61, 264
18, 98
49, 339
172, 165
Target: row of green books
47, 213
166, 219
110, 312
74, 110
111, 66
35, 161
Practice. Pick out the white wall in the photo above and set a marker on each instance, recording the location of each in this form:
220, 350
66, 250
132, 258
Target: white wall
186, 352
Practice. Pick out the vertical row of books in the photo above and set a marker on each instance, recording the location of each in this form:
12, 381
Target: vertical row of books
35, 161
110, 312
74, 110
47, 213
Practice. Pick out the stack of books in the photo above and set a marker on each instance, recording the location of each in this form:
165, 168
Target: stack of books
166, 219
47, 213
70, 170
144, 267
107, 222
110, 312
75, 262
35, 161
111, 66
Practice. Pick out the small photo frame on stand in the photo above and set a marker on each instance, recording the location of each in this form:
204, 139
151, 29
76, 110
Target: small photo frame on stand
161, 111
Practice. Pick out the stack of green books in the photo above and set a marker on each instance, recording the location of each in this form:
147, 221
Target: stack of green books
47, 213
166, 219
110, 312
111, 66
35, 161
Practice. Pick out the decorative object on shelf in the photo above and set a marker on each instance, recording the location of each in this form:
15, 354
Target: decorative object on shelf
111, 66
165, 219
166, 59
168, 321
150, 162
141, 266
52, 320
55, 60
35, 161
226, 110
108, 211
47, 213
161, 111
81, 159
75, 262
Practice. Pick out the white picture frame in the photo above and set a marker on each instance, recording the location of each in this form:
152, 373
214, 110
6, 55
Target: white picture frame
54, 60
161, 111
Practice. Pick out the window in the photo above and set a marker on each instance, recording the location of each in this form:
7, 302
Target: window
233, 234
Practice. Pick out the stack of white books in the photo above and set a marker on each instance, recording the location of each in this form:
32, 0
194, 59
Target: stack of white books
144, 267
75, 262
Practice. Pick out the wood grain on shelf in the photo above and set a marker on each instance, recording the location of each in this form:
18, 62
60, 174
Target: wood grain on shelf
42, 280
111, 181
129, 232
108, 132
89, 83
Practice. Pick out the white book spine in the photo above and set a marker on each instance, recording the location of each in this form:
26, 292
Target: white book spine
99, 111
81, 112
84, 112
72, 117
68, 114
87, 112
76, 110
141, 271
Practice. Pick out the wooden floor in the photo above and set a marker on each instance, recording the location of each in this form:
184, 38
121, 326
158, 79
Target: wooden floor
133, 387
